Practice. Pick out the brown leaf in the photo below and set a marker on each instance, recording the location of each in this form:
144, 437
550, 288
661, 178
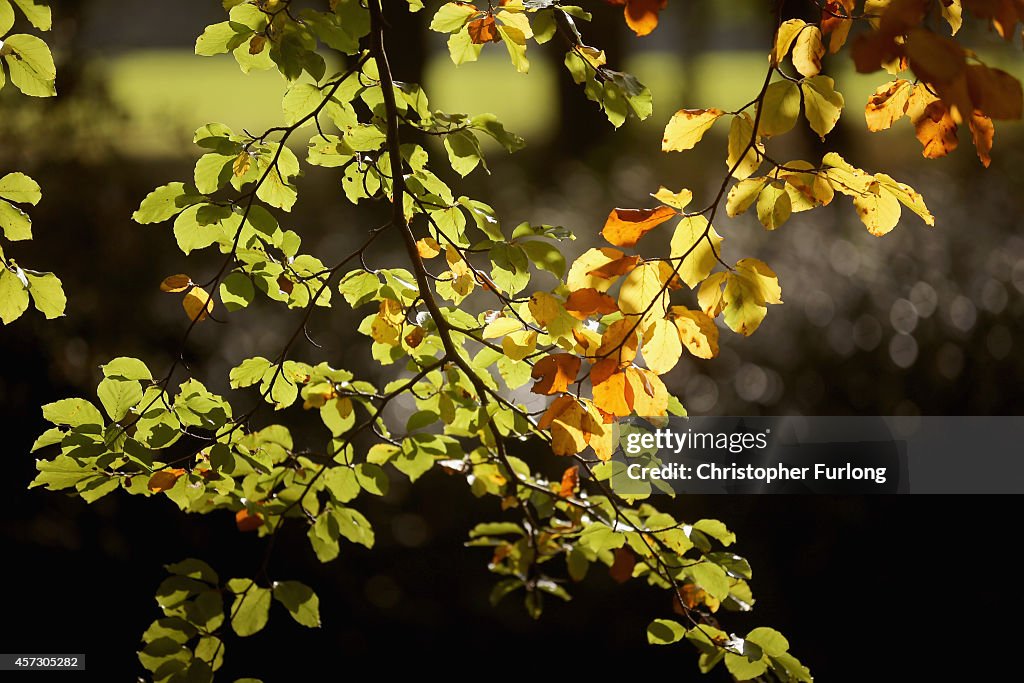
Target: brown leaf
415, 337
983, 132
164, 480
622, 567
175, 283
197, 304
257, 44
834, 25
570, 480
996, 93
584, 303
936, 130
484, 30
555, 373
625, 227
246, 521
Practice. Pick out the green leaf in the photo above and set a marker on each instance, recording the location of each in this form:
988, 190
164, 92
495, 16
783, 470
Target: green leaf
223, 37
118, 396
372, 479
545, 256
463, 151
165, 202
780, 108
711, 578
127, 368
237, 291
37, 13
13, 296
51, 436
73, 412
300, 601
341, 483
768, 639
664, 632
249, 372
60, 473
6, 22
15, 223
354, 526
251, 607
194, 569
716, 530
451, 17
47, 294
20, 189
742, 668
30, 64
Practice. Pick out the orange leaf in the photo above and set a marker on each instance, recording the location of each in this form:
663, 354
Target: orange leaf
622, 567
555, 373
616, 268
484, 30
620, 341
415, 337
246, 521
164, 480
197, 304
642, 15
625, 227
584, 303
570, 480
983, 132
834, 25
557, 407
612, 392
175, 283
936, 130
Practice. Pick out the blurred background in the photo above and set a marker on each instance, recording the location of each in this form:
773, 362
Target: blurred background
923, 321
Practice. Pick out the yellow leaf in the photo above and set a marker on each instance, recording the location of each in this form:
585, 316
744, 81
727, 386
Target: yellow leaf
806, 187
784, 38
743, 195
878, 210
645, 290
808, 51
709, 297
779, 108
519, 345
661, 346
650, 397
697, 331
241, 165
744, 151
500, 327
175, 283
550, 314
773, 205
197, 304
952, 12
677, 200
907, 196
696, 243
822, 104
579, 276
625, 227
428, 248
888, 104
686, 128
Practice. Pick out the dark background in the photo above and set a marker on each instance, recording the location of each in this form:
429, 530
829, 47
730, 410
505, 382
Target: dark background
848, 579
